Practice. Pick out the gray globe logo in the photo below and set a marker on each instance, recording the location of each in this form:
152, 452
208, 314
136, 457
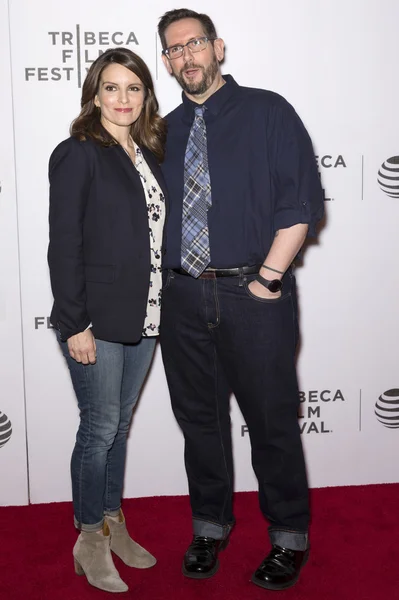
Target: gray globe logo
5, 429
388, 177
387, 409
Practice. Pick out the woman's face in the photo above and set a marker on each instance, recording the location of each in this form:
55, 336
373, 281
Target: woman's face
120, 98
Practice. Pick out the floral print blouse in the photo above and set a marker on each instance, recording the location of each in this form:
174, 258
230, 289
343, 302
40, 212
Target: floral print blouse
156, 218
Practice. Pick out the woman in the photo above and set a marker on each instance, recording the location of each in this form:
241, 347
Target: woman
107, 210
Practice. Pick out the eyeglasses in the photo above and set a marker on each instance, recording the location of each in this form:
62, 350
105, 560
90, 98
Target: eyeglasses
195, 45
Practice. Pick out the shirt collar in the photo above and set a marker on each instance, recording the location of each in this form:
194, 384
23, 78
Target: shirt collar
215, 102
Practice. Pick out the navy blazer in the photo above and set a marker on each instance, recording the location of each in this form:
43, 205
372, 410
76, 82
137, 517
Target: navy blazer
99, 251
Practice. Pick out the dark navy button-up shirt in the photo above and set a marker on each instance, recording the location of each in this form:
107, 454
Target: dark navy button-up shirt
263, 174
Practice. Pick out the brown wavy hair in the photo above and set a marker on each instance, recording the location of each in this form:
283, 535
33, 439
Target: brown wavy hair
149, 130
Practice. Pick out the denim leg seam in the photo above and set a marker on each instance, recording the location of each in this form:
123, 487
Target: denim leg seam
107, 482
293, 322
221, 439
117, 429
216, 298
106, 491
202, 283
84, 449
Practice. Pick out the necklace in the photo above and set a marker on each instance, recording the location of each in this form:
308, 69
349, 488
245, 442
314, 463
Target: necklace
132, 158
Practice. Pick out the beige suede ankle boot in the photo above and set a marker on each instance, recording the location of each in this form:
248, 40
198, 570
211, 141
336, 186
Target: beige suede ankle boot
132, 554
92, 557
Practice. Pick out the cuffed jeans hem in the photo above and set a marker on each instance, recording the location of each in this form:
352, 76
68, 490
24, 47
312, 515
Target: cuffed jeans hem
89, 527
112, 513
210, 529
293, 540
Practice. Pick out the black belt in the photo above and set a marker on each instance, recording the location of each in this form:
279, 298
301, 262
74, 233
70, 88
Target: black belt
211, 273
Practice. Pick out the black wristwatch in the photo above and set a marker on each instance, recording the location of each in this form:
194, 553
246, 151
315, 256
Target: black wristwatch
273, 286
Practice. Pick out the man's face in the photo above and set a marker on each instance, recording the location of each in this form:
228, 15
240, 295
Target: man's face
195, 72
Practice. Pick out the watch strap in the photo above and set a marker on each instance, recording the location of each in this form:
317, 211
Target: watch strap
268, 284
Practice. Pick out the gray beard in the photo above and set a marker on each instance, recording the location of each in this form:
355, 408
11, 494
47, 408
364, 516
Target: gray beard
208, 77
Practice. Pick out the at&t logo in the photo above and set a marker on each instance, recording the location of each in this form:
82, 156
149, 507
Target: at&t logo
388, 177
387, 409
5, 429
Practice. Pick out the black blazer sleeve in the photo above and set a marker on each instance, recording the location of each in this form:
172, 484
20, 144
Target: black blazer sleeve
70, 179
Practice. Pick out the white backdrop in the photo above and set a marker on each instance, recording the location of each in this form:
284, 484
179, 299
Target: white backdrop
336, 62
13, 464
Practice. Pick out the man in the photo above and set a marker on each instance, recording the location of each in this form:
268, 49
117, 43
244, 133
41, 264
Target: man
244, 192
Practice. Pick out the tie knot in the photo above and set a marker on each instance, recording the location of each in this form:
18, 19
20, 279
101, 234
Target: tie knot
199, 111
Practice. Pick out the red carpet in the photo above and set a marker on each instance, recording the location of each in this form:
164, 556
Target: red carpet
354, 550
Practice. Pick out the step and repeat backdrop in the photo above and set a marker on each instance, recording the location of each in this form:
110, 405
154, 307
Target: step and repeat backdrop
13, 456
336, 62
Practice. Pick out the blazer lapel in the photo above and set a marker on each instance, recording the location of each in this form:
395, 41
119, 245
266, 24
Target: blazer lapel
138, 207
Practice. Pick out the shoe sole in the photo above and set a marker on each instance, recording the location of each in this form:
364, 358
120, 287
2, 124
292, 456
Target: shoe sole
273, 587
210, 573
283, 586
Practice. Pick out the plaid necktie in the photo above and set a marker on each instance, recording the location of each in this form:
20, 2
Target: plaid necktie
195, 251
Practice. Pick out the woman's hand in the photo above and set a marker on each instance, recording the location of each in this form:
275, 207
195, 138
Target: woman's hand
82, 347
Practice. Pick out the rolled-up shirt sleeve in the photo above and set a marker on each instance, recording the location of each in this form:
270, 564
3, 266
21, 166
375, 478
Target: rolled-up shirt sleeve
299, 195
70, 179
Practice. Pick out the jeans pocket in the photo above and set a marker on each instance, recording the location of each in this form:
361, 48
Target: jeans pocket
284, 295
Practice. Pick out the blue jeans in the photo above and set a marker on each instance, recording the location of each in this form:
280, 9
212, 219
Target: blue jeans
107, 393
222, 338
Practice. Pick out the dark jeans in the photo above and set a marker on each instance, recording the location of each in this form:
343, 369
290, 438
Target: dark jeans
217, 337
107, 393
